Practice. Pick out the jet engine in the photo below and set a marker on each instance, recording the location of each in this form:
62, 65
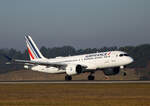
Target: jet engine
111, 71
28, 67
73, 69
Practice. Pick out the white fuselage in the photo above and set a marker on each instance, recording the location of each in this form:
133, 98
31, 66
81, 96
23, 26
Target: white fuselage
92, 61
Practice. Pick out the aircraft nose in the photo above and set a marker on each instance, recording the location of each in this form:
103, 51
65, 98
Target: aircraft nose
130, 60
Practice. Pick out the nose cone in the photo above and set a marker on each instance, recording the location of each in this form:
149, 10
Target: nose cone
130, 60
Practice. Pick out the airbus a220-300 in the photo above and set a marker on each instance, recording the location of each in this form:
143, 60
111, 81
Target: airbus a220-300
109, 62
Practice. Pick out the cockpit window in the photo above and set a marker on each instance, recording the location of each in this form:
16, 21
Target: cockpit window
126, 55
123, 55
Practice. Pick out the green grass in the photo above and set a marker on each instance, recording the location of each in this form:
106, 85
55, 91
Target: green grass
75, 94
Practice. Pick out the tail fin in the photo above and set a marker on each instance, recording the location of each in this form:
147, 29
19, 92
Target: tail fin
33, 51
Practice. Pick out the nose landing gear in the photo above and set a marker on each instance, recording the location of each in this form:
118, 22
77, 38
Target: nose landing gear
123, 70
124, 73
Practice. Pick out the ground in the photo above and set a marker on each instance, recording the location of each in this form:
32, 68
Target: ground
31, 75
75, 94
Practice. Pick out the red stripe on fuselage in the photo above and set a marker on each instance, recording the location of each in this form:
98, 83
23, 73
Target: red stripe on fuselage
109, 53
30, 53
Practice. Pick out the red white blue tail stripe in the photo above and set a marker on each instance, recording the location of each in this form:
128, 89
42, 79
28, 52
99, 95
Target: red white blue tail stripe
32, 49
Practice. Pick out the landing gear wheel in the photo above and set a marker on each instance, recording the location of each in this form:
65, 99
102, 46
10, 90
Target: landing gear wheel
90, 77
124, 74
68, 78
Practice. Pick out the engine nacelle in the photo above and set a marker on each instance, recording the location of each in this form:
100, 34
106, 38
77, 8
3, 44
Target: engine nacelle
111, 71
28, 67
73, 69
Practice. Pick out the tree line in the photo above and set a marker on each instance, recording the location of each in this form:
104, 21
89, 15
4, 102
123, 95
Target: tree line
140, 53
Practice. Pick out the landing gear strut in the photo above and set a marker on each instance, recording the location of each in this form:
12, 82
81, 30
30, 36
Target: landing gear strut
123, 70
91, 77
68, 78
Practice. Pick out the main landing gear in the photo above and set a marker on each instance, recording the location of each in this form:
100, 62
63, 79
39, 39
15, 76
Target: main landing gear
68, 78
91, 77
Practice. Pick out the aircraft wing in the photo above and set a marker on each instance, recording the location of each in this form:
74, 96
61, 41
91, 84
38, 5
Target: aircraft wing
37, 63
48, 64
40, 63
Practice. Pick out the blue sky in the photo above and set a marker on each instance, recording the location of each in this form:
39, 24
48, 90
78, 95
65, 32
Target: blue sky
79, 23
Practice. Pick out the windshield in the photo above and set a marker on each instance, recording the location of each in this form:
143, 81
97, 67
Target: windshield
123, 55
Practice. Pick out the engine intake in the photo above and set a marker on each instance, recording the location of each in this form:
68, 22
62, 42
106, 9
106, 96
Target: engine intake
79, 69
73, 69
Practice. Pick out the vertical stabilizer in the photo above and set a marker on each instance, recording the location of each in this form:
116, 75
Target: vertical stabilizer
33, 51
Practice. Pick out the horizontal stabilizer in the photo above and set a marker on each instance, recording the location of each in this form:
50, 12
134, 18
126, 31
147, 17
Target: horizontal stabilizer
8, 58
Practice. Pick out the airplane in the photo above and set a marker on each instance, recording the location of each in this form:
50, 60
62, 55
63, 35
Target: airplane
109, 62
